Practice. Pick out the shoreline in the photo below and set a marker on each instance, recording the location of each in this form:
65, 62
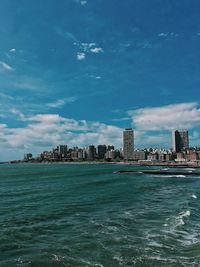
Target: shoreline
144, 164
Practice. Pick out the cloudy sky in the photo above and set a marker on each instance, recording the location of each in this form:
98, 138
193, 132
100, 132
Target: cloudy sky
77, 72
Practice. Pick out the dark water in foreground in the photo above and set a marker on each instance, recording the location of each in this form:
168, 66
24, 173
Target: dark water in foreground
71, 215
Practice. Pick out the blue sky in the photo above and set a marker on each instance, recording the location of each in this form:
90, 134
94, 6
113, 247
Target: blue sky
79, 71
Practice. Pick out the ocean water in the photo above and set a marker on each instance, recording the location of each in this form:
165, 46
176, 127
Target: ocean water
88, 215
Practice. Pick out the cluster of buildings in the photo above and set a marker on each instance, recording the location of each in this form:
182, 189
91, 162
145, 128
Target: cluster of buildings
180, 152
90, 153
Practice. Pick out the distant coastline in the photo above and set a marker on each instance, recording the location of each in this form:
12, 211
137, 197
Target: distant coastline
131, 163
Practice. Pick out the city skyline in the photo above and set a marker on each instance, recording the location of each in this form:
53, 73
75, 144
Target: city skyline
81, 71
179, 147
180, 152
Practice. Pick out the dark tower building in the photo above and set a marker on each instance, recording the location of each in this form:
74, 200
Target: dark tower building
101, 151
180, 140
91, 152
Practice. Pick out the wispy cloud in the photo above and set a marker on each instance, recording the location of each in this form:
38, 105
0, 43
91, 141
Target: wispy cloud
29, 83
83, 2
61, 102
168, 34
163, 34
13, 50
18, 113
122, 119
5, 66
87, 48
6, 97
96, 50
66, 34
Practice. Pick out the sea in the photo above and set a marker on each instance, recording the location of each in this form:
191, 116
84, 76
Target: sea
89, 215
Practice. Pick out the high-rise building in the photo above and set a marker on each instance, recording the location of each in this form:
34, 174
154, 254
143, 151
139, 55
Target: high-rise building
128, 143
62, 150
91, 152
102, 149
180, 140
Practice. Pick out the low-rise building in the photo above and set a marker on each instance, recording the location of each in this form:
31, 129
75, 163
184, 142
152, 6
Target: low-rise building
139, 155
152, 157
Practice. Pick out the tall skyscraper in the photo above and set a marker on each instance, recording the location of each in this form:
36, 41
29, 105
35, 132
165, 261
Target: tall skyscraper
62, 150
102, 149
91, 152
128, 143
180, 140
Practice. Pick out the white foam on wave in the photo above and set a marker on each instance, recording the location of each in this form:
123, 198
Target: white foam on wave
191, 239
112, 228
128, 215
176, 221
91, 263
187, 213
118, 258
22, 263
162, 260
174, 176
58, 258
182, 215
194, 196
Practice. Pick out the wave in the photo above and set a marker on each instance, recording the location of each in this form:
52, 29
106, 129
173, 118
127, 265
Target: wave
172, 176
194, 196
179, 220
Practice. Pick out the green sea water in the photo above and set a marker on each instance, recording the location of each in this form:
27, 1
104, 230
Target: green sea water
88, 215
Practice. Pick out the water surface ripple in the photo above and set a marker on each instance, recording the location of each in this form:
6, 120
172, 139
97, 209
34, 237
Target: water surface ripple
87, 215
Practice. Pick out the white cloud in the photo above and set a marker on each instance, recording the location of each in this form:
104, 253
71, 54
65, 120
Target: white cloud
163, 34
144, 139
45, 118
83, 2
175, 116
5, 66
96, 50
44, 131
61, 102
80, 56
13, 50
3, 126
86, 46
